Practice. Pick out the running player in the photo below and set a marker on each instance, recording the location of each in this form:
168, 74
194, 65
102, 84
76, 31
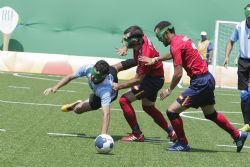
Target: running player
200, 93
144, 86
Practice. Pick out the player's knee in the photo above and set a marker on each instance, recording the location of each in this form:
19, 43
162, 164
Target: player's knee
123, 100
172, 115
78, 110
244, 96
211, 116
147, 109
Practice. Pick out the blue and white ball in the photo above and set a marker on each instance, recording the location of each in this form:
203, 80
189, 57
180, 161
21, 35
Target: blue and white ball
104, 143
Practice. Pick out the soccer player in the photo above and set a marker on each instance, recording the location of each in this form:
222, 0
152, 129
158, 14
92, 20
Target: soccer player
241, 33
200, 93
145, 85
100, 78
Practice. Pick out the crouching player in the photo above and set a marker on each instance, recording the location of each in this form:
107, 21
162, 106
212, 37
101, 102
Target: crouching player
100, 79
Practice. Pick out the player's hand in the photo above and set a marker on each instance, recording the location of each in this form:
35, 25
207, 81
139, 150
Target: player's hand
122, 51
149, 61
226, 62
165, 93
115, 86
48, 91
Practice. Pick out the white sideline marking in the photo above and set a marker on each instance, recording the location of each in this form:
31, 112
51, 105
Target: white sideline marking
2, 130
71, 91
235, 102
230, 146
183, 114
46, 79
53, 105
18, 87
27, 103
65, 134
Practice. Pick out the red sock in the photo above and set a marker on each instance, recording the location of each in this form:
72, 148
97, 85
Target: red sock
129, 113
157, 116
179, 130
222, 122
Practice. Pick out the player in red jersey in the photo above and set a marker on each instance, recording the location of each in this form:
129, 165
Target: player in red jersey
200, 93
144, 86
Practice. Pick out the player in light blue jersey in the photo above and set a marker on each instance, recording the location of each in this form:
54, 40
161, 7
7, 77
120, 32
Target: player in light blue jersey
242, 33
100, 79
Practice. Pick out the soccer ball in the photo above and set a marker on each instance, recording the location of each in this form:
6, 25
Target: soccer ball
104, 143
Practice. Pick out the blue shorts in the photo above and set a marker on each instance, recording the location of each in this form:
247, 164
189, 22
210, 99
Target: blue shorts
148, 88
199, 93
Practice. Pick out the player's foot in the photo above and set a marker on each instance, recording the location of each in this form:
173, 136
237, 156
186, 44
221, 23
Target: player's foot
134, 137
179, 147
245, 128
241, 140
172, 137
69, 107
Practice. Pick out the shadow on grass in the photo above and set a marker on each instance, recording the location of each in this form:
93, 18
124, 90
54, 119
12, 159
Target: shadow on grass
115, 137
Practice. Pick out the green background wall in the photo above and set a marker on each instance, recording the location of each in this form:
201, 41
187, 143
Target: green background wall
95, 27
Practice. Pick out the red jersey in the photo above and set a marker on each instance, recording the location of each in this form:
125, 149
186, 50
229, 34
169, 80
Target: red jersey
148, 50
186, 54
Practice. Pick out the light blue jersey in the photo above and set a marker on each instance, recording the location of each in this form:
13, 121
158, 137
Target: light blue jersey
242, 33
103, 90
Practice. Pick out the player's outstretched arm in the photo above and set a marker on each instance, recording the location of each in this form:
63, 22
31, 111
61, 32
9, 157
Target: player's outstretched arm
229, 48
123, 51
106, 119
151, 61
124, 65
134, 81
64, 81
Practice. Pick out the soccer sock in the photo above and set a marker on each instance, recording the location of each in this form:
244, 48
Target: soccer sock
245, 108
222, 122
129, 113
158, 117
177, 124
245, 105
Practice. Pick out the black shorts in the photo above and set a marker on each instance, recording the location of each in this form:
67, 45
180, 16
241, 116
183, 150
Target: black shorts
95, 101
243, 73
148, 88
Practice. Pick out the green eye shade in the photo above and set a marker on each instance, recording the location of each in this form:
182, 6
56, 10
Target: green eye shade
247, 12
96, 76
161, 32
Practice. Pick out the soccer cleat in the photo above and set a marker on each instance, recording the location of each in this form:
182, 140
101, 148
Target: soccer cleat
172, 137
133, 137
245, 128
179, 147
241, 140
69, 107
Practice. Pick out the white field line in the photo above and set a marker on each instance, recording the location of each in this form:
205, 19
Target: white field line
28, 103
70, 91
235, 102
2, 130
184, 114
219, 145
46, 79
65, 134
52, 105
18, 87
